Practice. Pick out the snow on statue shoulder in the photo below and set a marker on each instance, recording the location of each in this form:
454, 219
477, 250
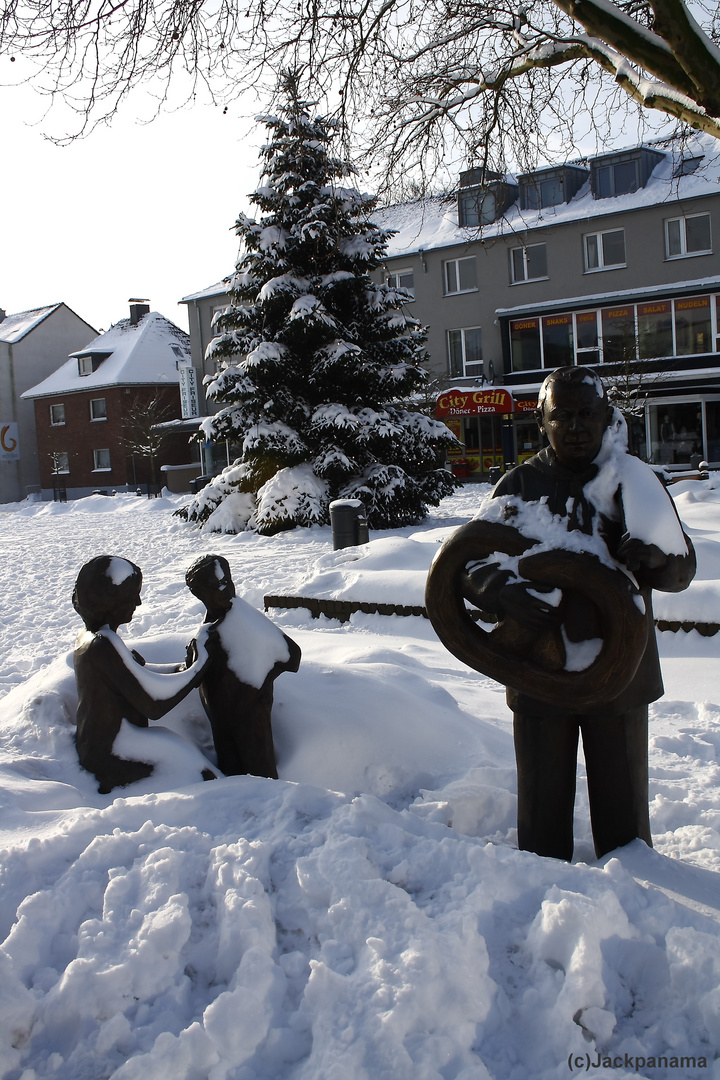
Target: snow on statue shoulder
237, 690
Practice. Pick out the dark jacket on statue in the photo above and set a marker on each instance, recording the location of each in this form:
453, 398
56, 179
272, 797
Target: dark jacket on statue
542, 476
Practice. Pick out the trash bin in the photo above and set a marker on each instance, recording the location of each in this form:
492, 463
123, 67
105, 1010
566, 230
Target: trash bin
494, 474
349, 523
199, 483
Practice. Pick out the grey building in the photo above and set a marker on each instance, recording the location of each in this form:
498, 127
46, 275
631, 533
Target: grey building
612, 262
202, 308
32, 345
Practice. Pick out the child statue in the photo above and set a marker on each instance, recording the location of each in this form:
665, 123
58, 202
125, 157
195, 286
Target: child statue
113, 682
237, 686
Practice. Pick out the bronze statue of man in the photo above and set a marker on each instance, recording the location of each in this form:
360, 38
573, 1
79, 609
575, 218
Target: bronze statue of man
113, 682
574, 414
237, 688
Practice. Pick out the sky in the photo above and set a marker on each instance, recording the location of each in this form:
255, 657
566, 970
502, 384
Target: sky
133, 210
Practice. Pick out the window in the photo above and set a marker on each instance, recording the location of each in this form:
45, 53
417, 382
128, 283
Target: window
550, 187
675, 432
460, 275
618, 179
655, 329
57, 415
693, 329
618, 334
525, 344
216, 313
604, 249
528, 263
687, 236
557, 335
587, 339
465, 351
402, 279
101, 459
543, 193
60, 462
483, 197
97, 409
687, 165
89, 362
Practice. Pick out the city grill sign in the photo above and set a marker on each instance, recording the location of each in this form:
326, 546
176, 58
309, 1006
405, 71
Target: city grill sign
474, 402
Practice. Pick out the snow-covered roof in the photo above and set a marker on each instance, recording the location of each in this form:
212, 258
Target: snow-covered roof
14, 327
430, 223
220, 289
146, 353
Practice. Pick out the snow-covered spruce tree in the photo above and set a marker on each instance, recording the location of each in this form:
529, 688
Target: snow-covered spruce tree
318, 356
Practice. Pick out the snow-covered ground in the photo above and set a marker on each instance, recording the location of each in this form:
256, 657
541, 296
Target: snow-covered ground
367, 916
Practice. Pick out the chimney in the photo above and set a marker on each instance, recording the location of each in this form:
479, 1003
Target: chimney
138, 308
3, 313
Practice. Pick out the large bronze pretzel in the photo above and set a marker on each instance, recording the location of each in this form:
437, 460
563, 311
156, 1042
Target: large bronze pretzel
509, 653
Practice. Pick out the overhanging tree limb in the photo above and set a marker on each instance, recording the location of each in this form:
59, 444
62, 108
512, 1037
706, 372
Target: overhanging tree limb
461, 70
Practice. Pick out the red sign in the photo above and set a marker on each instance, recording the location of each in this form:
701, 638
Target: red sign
526, 404
474, 402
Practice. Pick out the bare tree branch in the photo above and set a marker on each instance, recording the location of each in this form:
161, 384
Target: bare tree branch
418, 84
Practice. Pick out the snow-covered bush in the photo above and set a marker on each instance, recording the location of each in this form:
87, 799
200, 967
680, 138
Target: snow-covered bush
317, 361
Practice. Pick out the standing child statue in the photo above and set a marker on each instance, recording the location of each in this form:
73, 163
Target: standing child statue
113, 682
237, 688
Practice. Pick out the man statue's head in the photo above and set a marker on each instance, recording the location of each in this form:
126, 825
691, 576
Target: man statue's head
573, 412
210, 580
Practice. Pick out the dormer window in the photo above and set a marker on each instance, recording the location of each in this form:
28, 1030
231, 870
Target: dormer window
687, 166
621, 174
550, 187
89, 362
483, 197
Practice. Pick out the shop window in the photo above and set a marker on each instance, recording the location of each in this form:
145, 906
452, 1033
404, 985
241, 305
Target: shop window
57, 415
618, 334
687, 236
587, 338
604, 250
465, 351
557, 338
712, 431
528, 263
402, 279
98, 411
460, 275
655, 331
101, 461
693, 330
675, 432
525, 344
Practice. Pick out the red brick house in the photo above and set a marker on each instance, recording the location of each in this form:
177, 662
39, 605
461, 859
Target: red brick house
91, 413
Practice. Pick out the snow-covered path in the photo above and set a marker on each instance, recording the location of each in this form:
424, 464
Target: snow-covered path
366, 917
